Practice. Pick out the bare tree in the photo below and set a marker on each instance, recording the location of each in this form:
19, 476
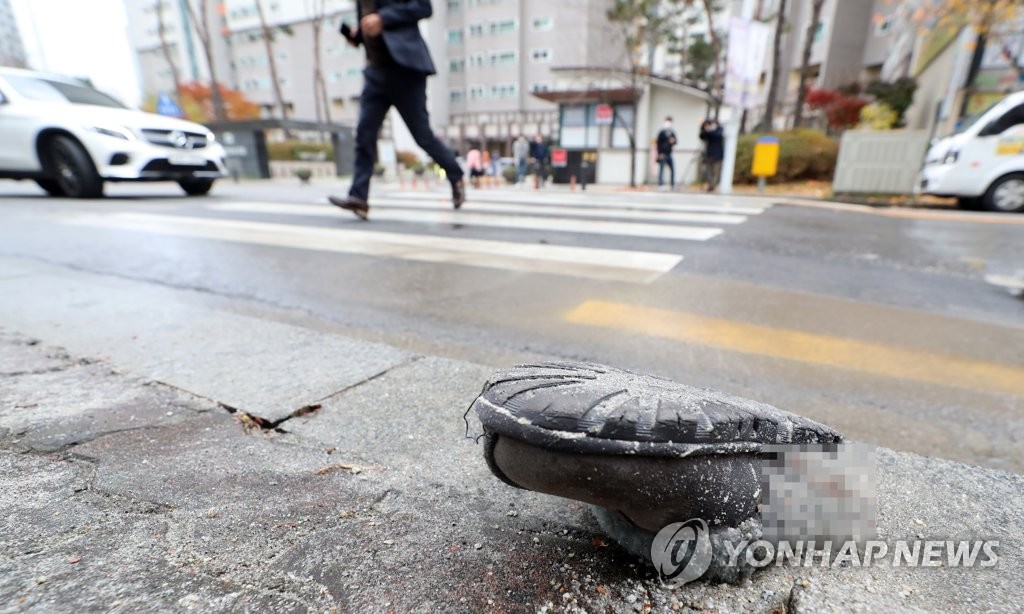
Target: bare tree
710, 9
805, 63
323, 107
268, 35
166, 48
201, 22
768, 123
643, 25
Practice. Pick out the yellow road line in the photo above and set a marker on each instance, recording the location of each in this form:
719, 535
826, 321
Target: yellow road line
837, 352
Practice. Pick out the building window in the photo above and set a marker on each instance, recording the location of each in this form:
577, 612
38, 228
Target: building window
819, 32
883, 26
454, 5
457, 65
476, 60
504, 90
476, 29
543, 23
502, 58
505, 26
541, 55
540, 87
456, 96
476, 92
622, 126
455, 37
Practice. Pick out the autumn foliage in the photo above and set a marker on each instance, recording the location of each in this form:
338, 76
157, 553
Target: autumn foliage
841, 110
196, 101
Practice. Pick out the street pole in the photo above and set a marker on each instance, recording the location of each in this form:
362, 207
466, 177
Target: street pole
732, 128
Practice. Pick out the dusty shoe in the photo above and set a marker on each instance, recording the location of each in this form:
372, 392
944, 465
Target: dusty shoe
458, 194
649, 450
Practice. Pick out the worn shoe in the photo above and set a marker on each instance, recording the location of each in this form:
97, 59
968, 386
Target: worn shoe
356, 205
650, 449
458, 193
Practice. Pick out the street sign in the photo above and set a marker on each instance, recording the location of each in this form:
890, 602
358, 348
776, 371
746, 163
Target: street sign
165, 105
559, 158
604, 115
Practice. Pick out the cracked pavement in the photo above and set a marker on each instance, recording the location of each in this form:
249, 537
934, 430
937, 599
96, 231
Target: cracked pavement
123, 493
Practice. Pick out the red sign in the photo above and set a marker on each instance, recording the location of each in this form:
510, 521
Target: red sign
604, 115
559, 158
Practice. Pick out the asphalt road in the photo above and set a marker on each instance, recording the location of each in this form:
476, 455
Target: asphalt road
878, 323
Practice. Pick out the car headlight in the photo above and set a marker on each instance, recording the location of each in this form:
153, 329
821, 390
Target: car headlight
211, 137
951, 157
114, 132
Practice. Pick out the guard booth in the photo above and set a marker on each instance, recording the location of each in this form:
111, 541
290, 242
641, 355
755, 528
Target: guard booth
246, 144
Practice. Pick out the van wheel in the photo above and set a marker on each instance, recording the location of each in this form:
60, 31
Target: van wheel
1006, 195
72, 168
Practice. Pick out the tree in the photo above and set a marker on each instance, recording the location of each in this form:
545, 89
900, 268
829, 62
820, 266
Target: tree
711, 8
643, 25
805, 62
268, 34
701, 58
323, 107
201, 22
165, 47
768, 123
196, 100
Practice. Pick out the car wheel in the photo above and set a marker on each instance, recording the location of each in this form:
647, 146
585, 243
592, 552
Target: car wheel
51, 186
1006, 195
196, 187
72, 169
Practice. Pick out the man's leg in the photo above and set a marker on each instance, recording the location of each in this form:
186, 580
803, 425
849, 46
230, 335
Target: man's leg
672, 170
373, 107
409, 95
661, 172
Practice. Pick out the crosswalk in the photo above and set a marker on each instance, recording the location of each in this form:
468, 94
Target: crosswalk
569, 234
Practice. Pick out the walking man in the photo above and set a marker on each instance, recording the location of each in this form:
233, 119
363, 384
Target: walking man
666, 142
714, 151
540, 153
521, 154
398, 64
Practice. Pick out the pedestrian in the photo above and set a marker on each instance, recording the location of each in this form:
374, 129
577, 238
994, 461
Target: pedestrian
521, 155
540, 153
398, 64
714, 151
666, 143
475, 165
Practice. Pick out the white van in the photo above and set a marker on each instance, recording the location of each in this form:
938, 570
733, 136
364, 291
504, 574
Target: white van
982, 165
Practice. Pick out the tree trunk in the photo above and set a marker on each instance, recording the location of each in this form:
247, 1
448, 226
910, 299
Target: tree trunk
716, 46
202, 26
166, 48
268, 43
323, 107
805, 62
768, 123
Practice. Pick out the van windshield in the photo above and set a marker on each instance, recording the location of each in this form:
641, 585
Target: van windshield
969, 122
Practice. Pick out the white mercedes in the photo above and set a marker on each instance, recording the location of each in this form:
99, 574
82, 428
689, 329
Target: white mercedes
70, 139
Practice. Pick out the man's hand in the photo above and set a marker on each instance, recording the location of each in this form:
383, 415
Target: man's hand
371, 25
354, 39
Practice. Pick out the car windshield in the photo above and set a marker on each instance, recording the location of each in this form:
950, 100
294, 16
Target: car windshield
49, 90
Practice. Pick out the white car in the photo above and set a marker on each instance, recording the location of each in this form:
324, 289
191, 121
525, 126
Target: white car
70, 139
983, 164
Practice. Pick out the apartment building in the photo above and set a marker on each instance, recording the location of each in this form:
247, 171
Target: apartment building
12, 50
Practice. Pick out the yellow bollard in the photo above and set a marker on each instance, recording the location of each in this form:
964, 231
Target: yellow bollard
766, 160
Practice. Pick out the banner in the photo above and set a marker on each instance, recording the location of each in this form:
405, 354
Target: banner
748, 51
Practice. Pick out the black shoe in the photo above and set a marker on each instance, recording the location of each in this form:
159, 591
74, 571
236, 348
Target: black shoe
356, 205
458, 193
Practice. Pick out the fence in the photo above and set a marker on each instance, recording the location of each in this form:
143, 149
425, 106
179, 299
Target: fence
879, 162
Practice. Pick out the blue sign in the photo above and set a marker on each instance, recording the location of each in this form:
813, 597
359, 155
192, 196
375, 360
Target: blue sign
165, 105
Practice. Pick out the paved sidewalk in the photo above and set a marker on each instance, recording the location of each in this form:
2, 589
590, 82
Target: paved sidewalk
134, 477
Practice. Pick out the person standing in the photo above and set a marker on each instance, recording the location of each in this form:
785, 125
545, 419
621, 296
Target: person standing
666, 143
540, 153
398, 64
713, 135
475, 165
521, 154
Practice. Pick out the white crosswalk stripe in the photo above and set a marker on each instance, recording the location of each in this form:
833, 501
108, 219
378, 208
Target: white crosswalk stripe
426, 213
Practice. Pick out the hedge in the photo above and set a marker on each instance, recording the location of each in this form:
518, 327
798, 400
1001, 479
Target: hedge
804, 155
299, 150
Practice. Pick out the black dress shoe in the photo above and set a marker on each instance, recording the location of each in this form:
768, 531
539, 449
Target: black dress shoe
358, 206
458, 193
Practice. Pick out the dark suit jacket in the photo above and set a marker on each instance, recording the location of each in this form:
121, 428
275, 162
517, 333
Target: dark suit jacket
402, 32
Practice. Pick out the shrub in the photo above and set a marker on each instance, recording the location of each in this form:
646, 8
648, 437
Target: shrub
842, 110
805, 155
408, 159
510, 174
299, 150
878, 116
